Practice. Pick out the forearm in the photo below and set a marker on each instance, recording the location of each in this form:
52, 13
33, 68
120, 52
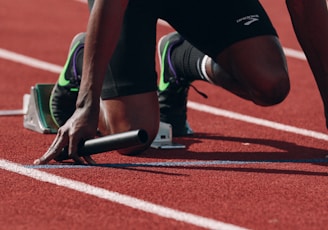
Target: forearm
310, 21
103, 32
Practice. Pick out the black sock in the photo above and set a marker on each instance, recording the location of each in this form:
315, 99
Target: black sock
187, 61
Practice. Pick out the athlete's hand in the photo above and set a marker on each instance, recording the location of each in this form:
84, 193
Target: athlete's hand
80, 127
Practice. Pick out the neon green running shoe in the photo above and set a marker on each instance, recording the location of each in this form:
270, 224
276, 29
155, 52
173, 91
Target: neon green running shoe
172, 89
64, 94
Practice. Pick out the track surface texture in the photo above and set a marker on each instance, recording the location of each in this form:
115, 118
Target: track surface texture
246, 166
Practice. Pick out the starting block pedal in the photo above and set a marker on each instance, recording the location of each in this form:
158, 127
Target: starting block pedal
163, 139
37, 116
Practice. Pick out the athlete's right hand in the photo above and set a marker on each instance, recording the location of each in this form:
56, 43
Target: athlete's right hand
80, 127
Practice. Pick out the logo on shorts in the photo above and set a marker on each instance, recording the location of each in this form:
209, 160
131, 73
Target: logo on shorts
248, 20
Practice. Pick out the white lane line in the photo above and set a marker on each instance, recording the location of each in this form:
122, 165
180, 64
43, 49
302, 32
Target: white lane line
35, 63
29, 61
118, 198
257, 121
178, 163
13, 112
295, 54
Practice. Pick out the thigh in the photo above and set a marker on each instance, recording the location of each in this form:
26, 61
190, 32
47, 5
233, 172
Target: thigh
259, 64
212, 26
132, 67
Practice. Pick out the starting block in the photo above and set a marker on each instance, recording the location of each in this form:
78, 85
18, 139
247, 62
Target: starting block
37, 117
163, 139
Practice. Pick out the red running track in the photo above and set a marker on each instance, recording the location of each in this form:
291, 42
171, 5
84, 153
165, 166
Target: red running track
233, 174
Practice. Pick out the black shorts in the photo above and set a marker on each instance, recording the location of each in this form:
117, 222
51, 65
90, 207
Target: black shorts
210, 25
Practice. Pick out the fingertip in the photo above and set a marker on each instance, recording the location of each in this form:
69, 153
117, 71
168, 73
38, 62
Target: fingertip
89, 160
37, 162
77, 159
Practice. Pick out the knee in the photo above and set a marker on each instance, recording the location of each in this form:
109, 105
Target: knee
272, 92
295, 6
291, 2
132, 112
145, 139
150, 126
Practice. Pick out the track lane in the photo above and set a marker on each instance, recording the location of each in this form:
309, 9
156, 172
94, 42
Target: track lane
275, 183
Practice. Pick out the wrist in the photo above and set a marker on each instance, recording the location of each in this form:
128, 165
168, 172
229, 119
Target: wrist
87, 100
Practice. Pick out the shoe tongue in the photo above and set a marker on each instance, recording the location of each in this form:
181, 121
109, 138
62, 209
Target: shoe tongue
78, 62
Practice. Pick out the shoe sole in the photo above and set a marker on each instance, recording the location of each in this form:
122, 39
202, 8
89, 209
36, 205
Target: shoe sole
80, 38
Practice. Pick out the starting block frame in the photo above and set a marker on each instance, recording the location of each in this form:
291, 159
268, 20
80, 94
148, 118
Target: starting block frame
38, 118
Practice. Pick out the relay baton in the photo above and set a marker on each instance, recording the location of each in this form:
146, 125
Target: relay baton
113, 142
107, 143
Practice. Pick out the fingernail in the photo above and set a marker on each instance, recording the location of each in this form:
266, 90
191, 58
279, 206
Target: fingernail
37, 162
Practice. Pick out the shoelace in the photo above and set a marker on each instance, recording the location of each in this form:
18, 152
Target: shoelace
198, 91
183, 83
